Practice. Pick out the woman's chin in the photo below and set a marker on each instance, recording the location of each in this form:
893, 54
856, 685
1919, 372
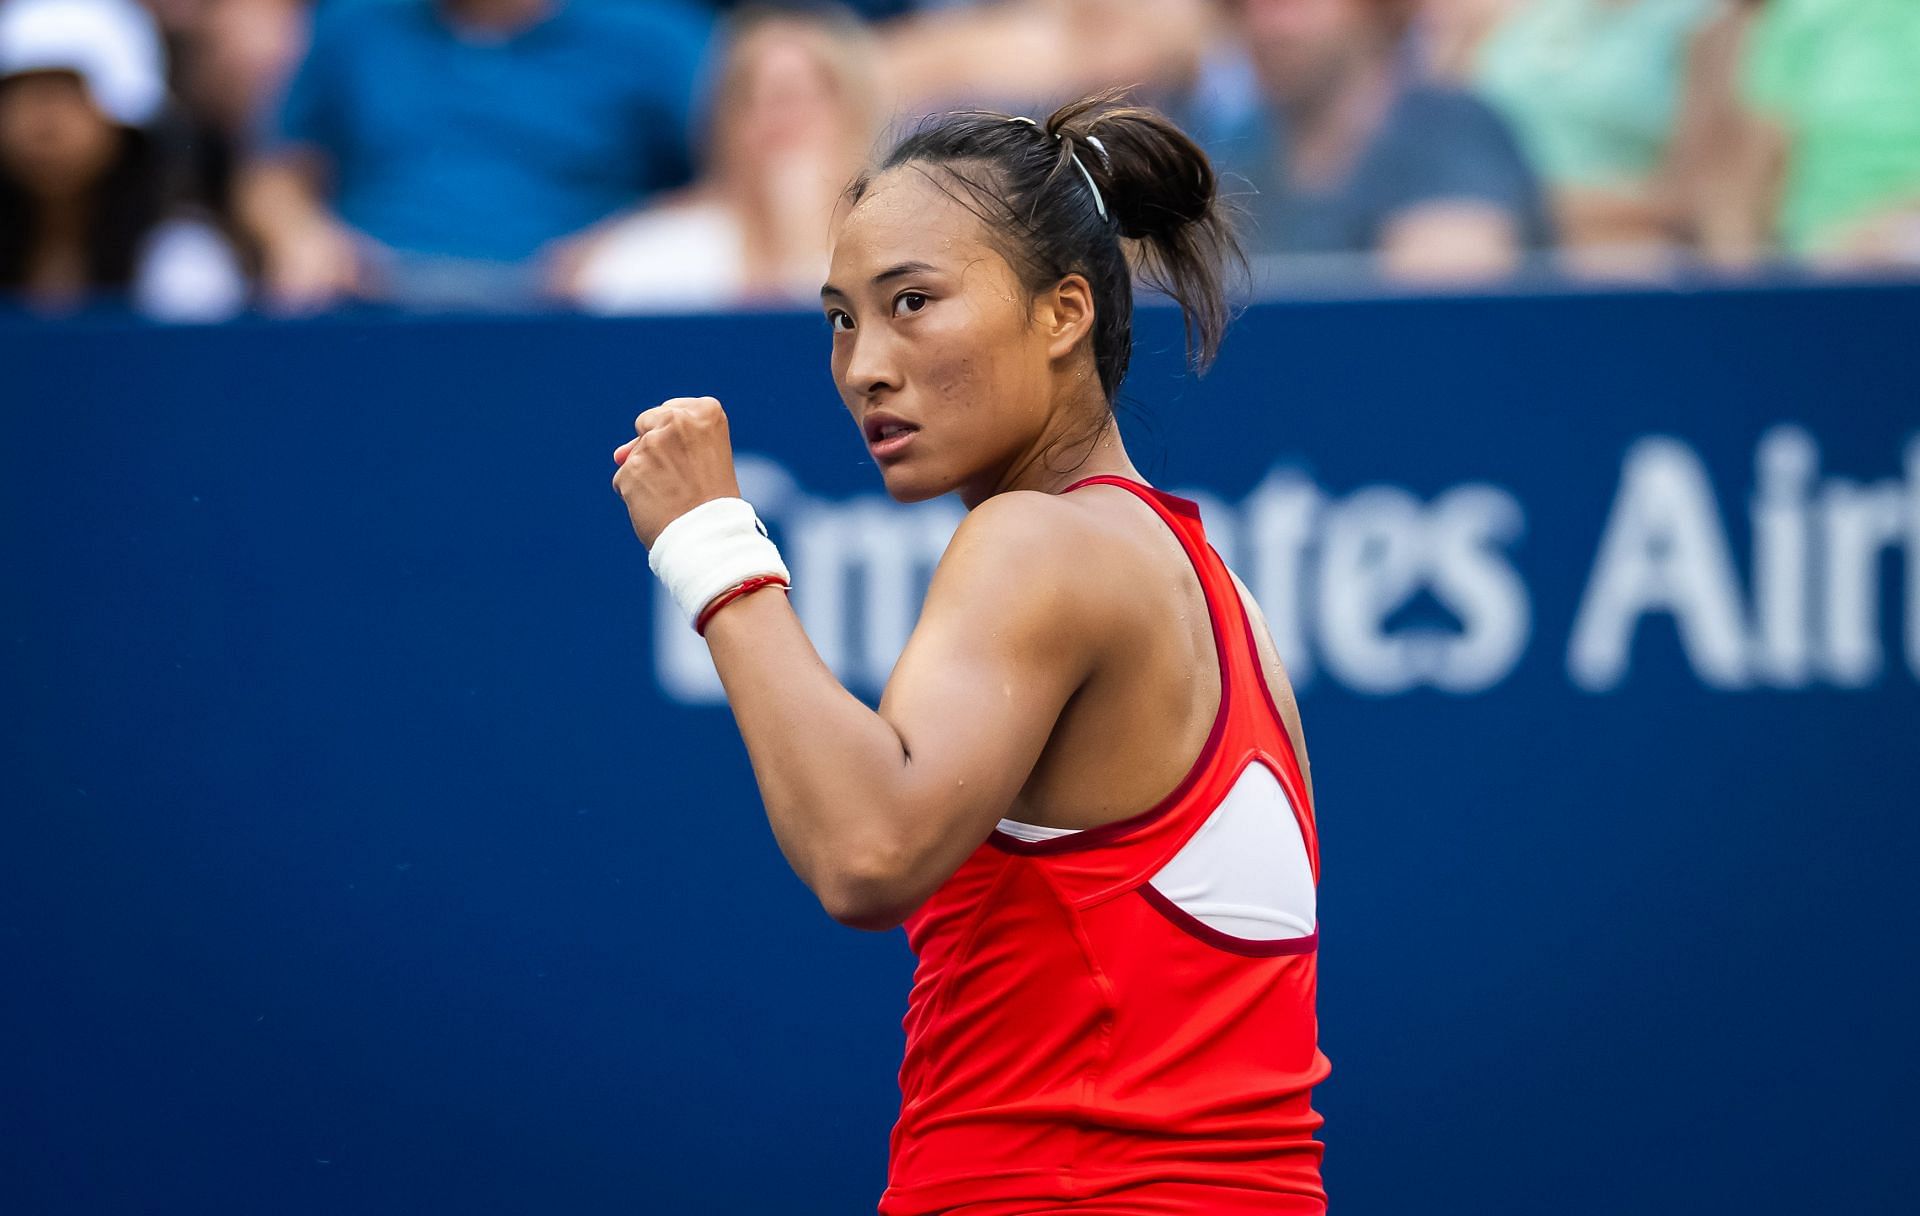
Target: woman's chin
909, 485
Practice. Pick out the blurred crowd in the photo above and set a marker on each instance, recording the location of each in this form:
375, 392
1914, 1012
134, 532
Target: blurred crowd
199, 158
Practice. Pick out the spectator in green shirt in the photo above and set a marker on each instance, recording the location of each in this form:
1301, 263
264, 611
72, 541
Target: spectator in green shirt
1593, 87
1842, 79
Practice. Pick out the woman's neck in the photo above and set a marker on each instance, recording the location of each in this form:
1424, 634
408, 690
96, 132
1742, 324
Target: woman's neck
784, 211
1072, 448
56, 269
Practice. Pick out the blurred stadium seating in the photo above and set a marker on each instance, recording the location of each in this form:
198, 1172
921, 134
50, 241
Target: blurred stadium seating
197, 158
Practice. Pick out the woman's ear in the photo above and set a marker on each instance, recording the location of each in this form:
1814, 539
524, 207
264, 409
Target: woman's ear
1065, 312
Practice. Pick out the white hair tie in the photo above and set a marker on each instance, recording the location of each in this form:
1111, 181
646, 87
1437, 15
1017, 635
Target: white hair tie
1099, 203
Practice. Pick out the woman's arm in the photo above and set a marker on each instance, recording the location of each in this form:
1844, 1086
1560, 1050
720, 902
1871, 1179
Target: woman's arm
875, 809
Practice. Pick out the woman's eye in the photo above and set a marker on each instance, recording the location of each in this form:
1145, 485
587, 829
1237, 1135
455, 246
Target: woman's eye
833, 321
919, 301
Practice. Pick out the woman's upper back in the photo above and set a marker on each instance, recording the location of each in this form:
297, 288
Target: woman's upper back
1133, 731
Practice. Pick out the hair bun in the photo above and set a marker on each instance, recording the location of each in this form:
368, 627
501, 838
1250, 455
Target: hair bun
1162, 193
1158, 180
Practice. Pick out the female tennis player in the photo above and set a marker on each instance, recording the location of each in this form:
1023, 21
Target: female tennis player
1084, 792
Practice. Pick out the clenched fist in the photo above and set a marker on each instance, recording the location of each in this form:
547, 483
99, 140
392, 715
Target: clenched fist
680, 456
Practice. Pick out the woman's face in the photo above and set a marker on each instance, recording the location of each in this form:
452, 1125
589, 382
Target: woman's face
53, 139
933, 352
1301, 46
788, 100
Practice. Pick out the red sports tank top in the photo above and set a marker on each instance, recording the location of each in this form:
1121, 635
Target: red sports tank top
1076, 1038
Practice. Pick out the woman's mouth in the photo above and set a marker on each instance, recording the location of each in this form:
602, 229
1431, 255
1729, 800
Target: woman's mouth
887, 439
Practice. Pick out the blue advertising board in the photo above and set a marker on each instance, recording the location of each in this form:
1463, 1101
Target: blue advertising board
377, 844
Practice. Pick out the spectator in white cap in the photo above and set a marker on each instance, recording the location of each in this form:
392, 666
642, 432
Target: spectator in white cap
83, 206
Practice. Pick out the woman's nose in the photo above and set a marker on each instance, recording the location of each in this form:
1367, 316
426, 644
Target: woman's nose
871, 368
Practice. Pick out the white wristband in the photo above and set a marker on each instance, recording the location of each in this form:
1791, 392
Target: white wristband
717, 545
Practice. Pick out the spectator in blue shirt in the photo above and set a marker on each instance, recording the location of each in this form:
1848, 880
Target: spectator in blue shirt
430, 152
1351, 151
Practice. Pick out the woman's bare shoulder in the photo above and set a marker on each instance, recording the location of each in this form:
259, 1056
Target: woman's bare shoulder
1026, 529
1034, 554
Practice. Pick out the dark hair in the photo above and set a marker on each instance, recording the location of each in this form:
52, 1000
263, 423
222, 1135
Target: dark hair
1164, 212
125, 205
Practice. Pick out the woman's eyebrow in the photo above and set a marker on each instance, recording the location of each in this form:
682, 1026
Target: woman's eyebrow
904, 268
891, 272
